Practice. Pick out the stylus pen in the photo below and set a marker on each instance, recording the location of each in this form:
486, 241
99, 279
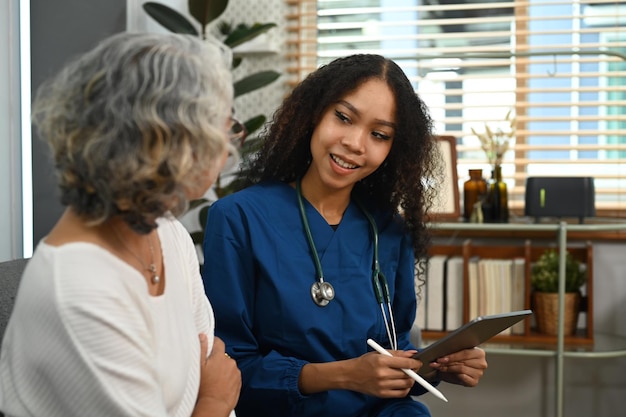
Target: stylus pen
409, 372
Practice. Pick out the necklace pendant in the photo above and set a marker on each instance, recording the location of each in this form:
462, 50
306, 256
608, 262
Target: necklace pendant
155, 278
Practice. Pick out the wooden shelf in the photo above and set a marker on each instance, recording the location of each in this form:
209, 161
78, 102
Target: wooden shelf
530, 252
526, 228
585, 345
603, 346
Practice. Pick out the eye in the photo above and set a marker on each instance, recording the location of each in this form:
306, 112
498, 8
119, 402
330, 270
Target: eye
381, 135
341, 116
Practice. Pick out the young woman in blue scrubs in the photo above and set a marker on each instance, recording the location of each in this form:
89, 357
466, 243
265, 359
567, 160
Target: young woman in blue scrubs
290, 265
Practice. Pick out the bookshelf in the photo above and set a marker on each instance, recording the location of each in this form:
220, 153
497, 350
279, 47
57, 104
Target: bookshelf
528, 252
582, 345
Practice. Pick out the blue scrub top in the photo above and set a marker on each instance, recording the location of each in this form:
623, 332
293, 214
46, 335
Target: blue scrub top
258, 272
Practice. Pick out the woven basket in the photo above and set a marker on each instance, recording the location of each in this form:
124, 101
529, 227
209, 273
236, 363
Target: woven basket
546, 309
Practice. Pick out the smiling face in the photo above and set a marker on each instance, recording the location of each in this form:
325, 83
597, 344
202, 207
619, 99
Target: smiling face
353, 137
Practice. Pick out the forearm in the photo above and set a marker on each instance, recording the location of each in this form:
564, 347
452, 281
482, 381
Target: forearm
211, 407
319, 377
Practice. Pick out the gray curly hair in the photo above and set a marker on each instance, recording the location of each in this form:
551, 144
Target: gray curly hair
134, 123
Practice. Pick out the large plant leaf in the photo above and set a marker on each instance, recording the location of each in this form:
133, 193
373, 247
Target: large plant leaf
254, 124
197, 203
243, 33
203, 214
197, 237
255, 81
235, 185
169, 18
206, 11
250, 146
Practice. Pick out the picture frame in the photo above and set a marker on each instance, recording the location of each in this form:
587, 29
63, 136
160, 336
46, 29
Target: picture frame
448, 204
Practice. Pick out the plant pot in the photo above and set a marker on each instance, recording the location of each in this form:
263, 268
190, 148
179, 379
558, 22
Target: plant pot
546, 309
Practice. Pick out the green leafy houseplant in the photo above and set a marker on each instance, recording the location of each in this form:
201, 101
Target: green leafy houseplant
544, 279
544, 275
206, 12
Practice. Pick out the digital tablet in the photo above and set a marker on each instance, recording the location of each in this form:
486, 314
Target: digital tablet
469, 335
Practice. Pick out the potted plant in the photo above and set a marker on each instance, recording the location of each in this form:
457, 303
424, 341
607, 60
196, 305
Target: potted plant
544, 280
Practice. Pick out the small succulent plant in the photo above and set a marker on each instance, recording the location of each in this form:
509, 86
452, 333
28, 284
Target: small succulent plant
544, 275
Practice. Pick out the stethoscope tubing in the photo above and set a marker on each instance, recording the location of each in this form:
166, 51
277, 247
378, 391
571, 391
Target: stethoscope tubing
323, 292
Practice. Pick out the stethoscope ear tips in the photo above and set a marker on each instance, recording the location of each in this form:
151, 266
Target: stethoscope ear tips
322, 293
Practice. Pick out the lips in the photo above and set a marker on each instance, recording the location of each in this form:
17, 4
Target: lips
342, 163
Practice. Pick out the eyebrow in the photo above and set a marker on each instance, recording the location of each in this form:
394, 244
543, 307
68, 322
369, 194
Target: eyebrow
357, 112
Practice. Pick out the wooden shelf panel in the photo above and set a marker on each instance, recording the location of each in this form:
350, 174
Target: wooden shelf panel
593, 229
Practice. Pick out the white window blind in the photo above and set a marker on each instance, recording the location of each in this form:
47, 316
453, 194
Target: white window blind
559, 66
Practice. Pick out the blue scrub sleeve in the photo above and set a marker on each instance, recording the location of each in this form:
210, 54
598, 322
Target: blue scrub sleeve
229, 281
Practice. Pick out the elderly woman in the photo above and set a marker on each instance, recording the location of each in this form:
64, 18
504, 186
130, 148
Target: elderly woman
111, 318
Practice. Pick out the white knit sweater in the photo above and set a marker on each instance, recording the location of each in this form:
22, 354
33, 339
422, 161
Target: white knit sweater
86, 339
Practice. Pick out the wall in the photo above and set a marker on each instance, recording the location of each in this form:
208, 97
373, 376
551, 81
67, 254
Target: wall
10, 155
61, 29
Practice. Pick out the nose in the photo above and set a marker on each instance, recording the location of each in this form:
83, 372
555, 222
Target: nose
355, 140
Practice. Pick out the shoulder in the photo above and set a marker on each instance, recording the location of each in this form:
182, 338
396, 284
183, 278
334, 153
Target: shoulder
386, 221
259, 209
171, 227
261, 197
78, 276
73, 258
258, 192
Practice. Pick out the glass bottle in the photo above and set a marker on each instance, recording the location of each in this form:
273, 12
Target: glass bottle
498, 198
474, 192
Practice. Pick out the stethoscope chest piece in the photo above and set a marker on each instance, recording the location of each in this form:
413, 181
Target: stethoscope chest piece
322, 293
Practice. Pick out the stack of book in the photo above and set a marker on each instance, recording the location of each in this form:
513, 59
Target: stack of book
494, 286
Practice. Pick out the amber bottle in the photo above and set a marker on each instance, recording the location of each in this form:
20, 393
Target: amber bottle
474, 191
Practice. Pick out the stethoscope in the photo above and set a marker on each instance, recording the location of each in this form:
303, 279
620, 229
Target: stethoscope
323, 292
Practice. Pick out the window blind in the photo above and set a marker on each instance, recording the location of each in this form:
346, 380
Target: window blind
558, 67
301, 44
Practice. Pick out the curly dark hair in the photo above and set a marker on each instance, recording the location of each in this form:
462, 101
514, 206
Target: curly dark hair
399, 182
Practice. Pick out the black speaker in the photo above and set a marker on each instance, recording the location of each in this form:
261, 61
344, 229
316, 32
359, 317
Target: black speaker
560, 197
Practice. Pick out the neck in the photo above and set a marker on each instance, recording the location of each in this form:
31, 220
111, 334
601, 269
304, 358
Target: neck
330, 203
118, 238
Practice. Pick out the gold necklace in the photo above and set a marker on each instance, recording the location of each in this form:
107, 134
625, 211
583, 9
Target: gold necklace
155, 279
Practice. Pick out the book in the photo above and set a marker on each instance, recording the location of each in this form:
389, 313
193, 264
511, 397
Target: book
472, 283
502, 292
454, 293
484, 286
435, 292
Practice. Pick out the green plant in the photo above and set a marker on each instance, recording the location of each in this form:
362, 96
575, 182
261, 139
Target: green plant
206, 12
544, 275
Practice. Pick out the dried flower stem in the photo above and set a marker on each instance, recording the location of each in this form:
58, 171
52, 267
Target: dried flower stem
496, 143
